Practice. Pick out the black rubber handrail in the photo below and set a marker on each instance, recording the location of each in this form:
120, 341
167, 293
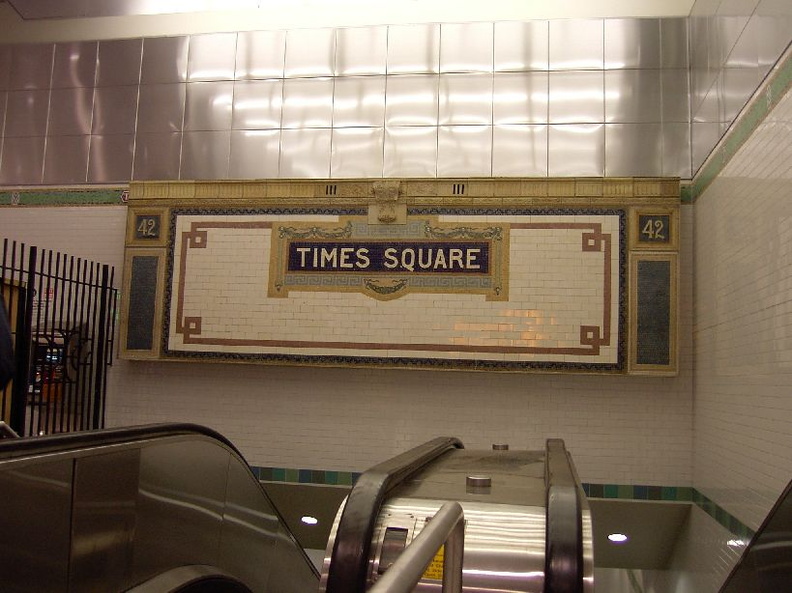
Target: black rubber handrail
564, 523
70, 441
348, 567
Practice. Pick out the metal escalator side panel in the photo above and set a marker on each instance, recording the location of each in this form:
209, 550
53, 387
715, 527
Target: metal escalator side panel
35, 525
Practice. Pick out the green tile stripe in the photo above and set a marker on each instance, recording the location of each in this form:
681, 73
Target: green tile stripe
671, 494
607, 491
723, 517
763, 102
305, 476
64, 197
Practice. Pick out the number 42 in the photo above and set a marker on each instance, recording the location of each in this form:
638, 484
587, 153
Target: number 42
654, 229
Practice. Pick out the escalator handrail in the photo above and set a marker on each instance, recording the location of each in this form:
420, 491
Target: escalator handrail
564, 522
348, 568
71, 441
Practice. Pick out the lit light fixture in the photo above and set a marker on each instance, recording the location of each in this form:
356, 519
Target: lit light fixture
735, 543
308, 520
618, 538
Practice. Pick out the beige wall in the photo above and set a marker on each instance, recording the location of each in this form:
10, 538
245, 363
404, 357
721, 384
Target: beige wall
743, 331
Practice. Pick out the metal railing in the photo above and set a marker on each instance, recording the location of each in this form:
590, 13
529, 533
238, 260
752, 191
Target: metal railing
447, 528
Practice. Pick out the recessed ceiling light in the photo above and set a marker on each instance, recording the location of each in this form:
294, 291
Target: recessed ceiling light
308, 520
618, 538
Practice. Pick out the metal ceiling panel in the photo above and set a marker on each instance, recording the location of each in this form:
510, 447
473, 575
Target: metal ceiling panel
60, 9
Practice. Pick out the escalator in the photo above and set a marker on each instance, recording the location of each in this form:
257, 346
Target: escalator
166, 508
526, 523
176, 509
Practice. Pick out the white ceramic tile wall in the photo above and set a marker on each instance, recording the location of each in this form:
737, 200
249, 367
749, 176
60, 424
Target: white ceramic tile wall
743, 331
701, 561
623, 430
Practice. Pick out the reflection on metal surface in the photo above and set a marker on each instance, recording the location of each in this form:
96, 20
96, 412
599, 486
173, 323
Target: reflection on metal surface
135, 509
506, 524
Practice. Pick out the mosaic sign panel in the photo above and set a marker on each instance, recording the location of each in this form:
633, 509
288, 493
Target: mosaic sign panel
483, 289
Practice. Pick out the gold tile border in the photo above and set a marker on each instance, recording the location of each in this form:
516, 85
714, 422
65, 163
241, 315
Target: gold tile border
492, 192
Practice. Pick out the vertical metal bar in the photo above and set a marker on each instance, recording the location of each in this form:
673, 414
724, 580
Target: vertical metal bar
98, 411
90, 319
4, 394
82, 273
48, 364
74, 334
23, 346
70, 365
60, 290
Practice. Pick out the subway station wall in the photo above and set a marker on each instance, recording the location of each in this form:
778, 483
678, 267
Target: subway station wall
743, 328
621, 430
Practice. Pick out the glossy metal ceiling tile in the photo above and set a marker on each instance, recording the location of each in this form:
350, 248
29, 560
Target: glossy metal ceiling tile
31, 66
633, 150
257, 104
674, 42
739, 85
576, 44
464, 151
632, 43
576, 97
75, 64
465, 99
157, 156
115, 110
519, 151
71, 112
26, 113
260, 54
307, 103
205, 155
164, 60
110, 158
675, 96
704, 136
521, 46
309, 52
412, 100
212, 57
520, 97
361, 50
466, 47
576, 150
208, 106
676, 150
23, 160
633, 96
119, 62
66, 160
413, 49
774, 20
357, 152
410, 152
254, 154
359, 101
5, 66
161, 108
3, 104
305, 153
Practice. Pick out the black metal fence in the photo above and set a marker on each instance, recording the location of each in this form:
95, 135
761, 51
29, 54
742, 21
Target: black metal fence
62, 313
